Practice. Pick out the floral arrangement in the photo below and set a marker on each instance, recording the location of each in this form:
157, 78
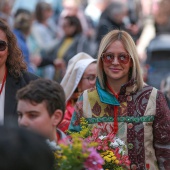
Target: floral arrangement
88, 150
79, 155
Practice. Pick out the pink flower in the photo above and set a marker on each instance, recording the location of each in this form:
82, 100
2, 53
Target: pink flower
94, 160
65, 141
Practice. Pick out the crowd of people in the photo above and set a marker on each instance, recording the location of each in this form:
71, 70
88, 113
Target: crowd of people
49, 37
57, 69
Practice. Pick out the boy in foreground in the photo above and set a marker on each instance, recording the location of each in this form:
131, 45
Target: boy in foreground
41, 106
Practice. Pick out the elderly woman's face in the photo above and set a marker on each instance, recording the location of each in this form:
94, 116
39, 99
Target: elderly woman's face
88, 79
3, 49
116, 63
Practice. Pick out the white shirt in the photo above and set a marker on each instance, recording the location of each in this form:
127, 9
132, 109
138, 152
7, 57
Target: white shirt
2, 102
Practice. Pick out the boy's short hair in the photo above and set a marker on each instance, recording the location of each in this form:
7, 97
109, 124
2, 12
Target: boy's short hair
45, 90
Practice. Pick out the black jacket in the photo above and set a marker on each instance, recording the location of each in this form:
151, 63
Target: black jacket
11, 87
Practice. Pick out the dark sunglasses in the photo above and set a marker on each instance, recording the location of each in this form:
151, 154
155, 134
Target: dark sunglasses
3, 45
109, 57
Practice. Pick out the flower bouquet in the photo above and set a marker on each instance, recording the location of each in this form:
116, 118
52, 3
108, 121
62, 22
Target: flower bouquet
88, 150
111, 148
79, 155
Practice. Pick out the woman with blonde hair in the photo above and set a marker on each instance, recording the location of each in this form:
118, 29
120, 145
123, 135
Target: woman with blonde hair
124, 105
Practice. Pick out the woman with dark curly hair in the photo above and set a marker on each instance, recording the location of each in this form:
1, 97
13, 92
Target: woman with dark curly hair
13, 73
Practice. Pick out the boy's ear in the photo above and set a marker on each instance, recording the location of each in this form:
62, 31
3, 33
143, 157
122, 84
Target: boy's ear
57, 117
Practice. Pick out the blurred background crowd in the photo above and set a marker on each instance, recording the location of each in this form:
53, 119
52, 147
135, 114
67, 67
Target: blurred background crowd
51, 32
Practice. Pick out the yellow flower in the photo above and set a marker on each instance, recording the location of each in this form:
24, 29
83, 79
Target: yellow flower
107, 159
93, 144
114, 158
63, 146
104, 153
64, 157
83, 127
117, 162
111, 153
84, 132
85, 155
77, 146
57, 156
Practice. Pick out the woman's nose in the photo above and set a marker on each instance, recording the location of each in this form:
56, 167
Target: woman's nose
115, 60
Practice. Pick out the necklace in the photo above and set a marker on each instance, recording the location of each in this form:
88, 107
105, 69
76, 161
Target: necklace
3, 81
115, 109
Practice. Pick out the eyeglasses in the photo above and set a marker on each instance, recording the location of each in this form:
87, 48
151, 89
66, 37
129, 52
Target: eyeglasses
3, 45
91, 78
108, 58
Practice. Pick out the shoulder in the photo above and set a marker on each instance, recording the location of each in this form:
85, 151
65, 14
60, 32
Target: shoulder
150, 90
27, 76
60, 134
88, 96
24, 77
146, 89
90, 92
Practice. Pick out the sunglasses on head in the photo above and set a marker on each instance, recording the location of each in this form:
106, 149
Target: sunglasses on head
3, 45
109, 57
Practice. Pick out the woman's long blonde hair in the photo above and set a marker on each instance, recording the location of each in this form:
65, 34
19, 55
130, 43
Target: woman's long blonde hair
130, 47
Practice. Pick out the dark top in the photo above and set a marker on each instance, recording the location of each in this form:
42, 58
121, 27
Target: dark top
12, 85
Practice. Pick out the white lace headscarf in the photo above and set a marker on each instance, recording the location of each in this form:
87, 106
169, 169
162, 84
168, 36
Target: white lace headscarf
75, 70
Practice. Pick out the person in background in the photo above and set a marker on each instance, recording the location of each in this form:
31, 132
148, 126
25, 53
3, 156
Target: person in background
75, 8
97, 6
80, 75
22, 27
24, 150
13, 73
124, 105
73, 42
44, 36
157, 23
5, 11
161, 14
24, 5
111, 18
41, 106
165, 88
